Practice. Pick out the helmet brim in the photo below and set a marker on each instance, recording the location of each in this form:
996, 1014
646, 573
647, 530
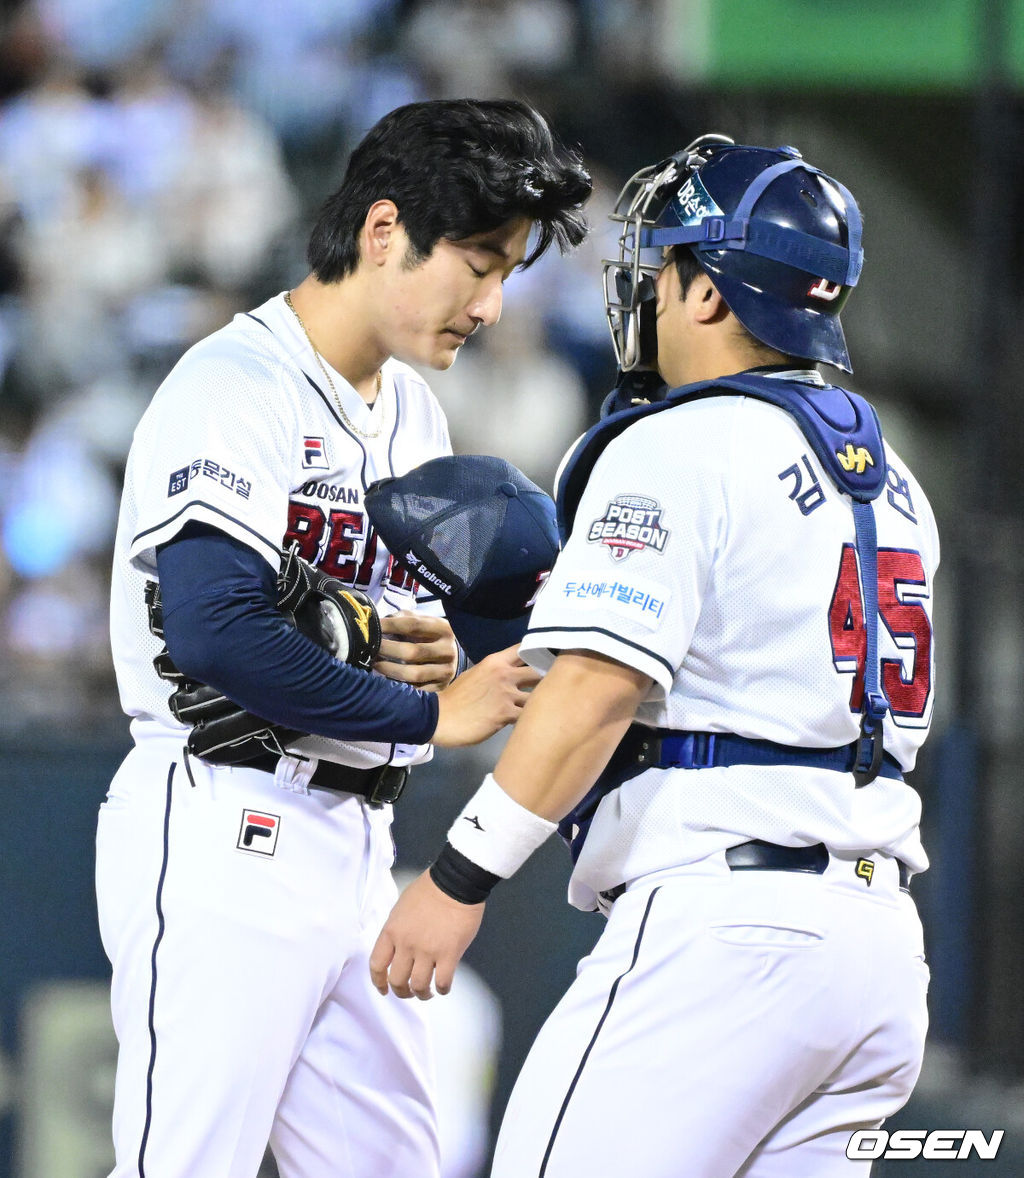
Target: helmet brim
794, 331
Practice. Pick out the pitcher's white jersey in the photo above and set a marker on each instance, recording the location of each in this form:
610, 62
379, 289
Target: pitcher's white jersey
245, 435
711, 551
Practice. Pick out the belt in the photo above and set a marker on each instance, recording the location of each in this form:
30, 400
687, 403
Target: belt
666, 748
757, 855
656, 748
381, 785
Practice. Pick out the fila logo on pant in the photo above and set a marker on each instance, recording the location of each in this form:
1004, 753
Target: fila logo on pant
258, 832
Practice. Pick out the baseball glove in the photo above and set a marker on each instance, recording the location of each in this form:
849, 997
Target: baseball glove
335, 616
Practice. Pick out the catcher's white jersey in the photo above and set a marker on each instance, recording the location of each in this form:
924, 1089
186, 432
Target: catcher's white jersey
245, 435
712, 552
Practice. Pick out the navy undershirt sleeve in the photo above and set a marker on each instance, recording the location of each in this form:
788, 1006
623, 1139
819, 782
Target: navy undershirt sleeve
222, 628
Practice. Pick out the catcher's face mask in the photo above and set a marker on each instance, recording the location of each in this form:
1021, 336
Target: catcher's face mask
629, 290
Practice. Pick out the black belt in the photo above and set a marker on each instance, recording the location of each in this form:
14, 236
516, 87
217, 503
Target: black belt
757, 855
381, 785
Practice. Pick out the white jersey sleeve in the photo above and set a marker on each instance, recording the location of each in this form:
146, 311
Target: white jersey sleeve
204, 452
631, 577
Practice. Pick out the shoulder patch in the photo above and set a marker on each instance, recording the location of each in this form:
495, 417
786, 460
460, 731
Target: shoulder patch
631, 523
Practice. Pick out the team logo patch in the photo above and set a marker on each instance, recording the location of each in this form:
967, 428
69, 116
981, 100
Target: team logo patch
631, 523
314, 454
865, 870
258, 832
855, 458
177, 482
827, 291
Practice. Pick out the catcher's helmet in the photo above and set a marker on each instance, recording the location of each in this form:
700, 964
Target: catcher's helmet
780, 240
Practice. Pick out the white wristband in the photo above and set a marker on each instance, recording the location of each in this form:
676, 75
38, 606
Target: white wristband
495, 832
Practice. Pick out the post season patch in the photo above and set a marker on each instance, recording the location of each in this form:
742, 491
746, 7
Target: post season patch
631, 523
636, 599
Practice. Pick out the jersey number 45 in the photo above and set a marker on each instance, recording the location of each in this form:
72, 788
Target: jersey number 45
902, 591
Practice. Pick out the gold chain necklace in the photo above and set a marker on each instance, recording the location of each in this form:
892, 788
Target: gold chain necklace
327, 376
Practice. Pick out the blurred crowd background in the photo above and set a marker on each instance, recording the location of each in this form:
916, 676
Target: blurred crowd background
160, 161
160, 164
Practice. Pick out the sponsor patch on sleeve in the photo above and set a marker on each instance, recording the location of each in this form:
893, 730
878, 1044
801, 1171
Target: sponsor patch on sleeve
636, 599
206, 468
631, 523
177, 482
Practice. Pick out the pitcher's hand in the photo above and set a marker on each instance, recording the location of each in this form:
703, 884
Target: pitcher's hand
418, 649
483, 699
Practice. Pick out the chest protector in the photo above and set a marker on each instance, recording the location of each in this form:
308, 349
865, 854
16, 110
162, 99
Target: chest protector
844, 432
841, 427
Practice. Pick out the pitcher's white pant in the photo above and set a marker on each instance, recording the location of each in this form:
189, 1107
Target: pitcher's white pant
727, 1023
241, 995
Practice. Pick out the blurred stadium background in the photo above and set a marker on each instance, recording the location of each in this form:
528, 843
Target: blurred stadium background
160, 161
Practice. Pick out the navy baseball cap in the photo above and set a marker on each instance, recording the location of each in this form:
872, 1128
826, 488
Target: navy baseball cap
479, 533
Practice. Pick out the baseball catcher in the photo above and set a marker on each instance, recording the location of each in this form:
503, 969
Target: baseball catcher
738, 657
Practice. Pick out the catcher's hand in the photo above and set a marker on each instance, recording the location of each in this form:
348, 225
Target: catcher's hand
335, 616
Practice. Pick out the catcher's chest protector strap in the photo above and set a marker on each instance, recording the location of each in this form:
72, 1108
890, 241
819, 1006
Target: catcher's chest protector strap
841, 427
844, 432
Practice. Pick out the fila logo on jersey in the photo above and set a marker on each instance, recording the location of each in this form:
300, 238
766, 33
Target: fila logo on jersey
258, 832
855, 459
630, 523
314, 454
865, 870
